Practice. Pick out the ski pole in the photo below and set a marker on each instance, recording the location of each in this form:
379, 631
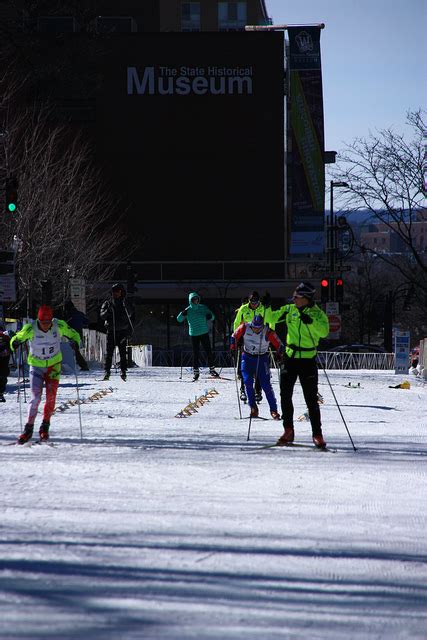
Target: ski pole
129, 318
23, 372
78, 396
237, 385
256, 377
333, 393
183, 332
114, 358
19, 394
274, 363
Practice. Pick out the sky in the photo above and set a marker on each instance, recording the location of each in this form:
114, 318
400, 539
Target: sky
167, 528
374, 60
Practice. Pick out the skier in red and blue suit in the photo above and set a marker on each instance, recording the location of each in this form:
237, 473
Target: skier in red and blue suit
256, 338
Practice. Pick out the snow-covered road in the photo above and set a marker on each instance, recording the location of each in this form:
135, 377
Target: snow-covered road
155, 527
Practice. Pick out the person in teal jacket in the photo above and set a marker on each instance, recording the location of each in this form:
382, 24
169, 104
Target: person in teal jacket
197, 316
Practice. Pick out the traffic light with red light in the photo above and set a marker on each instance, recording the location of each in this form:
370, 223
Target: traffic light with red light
11, 195
339, 290
325, 290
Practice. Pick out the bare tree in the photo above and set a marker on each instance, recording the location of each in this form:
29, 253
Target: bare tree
63, 224
385, 176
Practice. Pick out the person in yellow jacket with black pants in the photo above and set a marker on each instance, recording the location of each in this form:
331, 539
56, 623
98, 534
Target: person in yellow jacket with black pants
306, 324
45, 359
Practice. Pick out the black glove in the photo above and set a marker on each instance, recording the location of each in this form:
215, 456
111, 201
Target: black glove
306, 318
280, 354
184, 313
266, 300
208, 316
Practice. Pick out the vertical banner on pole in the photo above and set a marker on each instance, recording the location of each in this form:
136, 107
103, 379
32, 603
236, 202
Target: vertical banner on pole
401, 351
307, 169
78, 293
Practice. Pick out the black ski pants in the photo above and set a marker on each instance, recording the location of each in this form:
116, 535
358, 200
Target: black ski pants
306, 370
203, 340
116, 339
4, 372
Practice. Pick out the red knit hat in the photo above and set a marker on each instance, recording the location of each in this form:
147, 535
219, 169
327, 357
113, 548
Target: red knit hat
45, 313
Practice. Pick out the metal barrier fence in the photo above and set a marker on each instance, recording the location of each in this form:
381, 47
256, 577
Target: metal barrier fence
142, 355
94, 347
347, 360
329, 359
176, 358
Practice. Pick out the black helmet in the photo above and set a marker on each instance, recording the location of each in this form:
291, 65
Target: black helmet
254, 297
306, 290
118, 287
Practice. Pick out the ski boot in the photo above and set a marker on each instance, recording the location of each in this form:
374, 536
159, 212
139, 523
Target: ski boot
286, 438
107, 376
123, 376
44, 431
275, 415
254, 412
196, 375
2, 398
243, 396
213, 373
258, 396
318, 441
27, 434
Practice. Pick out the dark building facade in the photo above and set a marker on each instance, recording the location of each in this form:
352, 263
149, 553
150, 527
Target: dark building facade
211, 137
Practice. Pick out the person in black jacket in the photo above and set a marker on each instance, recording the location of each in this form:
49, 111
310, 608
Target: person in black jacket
117, 315
5, 337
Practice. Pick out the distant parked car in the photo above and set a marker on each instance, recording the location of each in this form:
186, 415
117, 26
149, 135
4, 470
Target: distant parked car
358, 348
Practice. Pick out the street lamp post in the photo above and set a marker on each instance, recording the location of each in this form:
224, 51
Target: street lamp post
332, 228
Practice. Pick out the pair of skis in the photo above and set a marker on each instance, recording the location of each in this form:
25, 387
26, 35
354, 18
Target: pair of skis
211, 378
32, 443
293, 445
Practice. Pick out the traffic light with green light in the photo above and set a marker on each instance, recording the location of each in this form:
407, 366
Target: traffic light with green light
11, 195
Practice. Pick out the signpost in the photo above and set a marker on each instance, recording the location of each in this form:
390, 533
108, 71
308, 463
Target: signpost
78, 293
7, 276
401, 351
334, 327
7, 288
333, 312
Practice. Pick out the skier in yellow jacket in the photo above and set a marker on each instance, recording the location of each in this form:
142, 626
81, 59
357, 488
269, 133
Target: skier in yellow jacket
306, 324
45, 358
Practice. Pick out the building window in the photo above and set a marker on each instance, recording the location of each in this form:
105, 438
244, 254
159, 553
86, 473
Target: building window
190, 16
232, 16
